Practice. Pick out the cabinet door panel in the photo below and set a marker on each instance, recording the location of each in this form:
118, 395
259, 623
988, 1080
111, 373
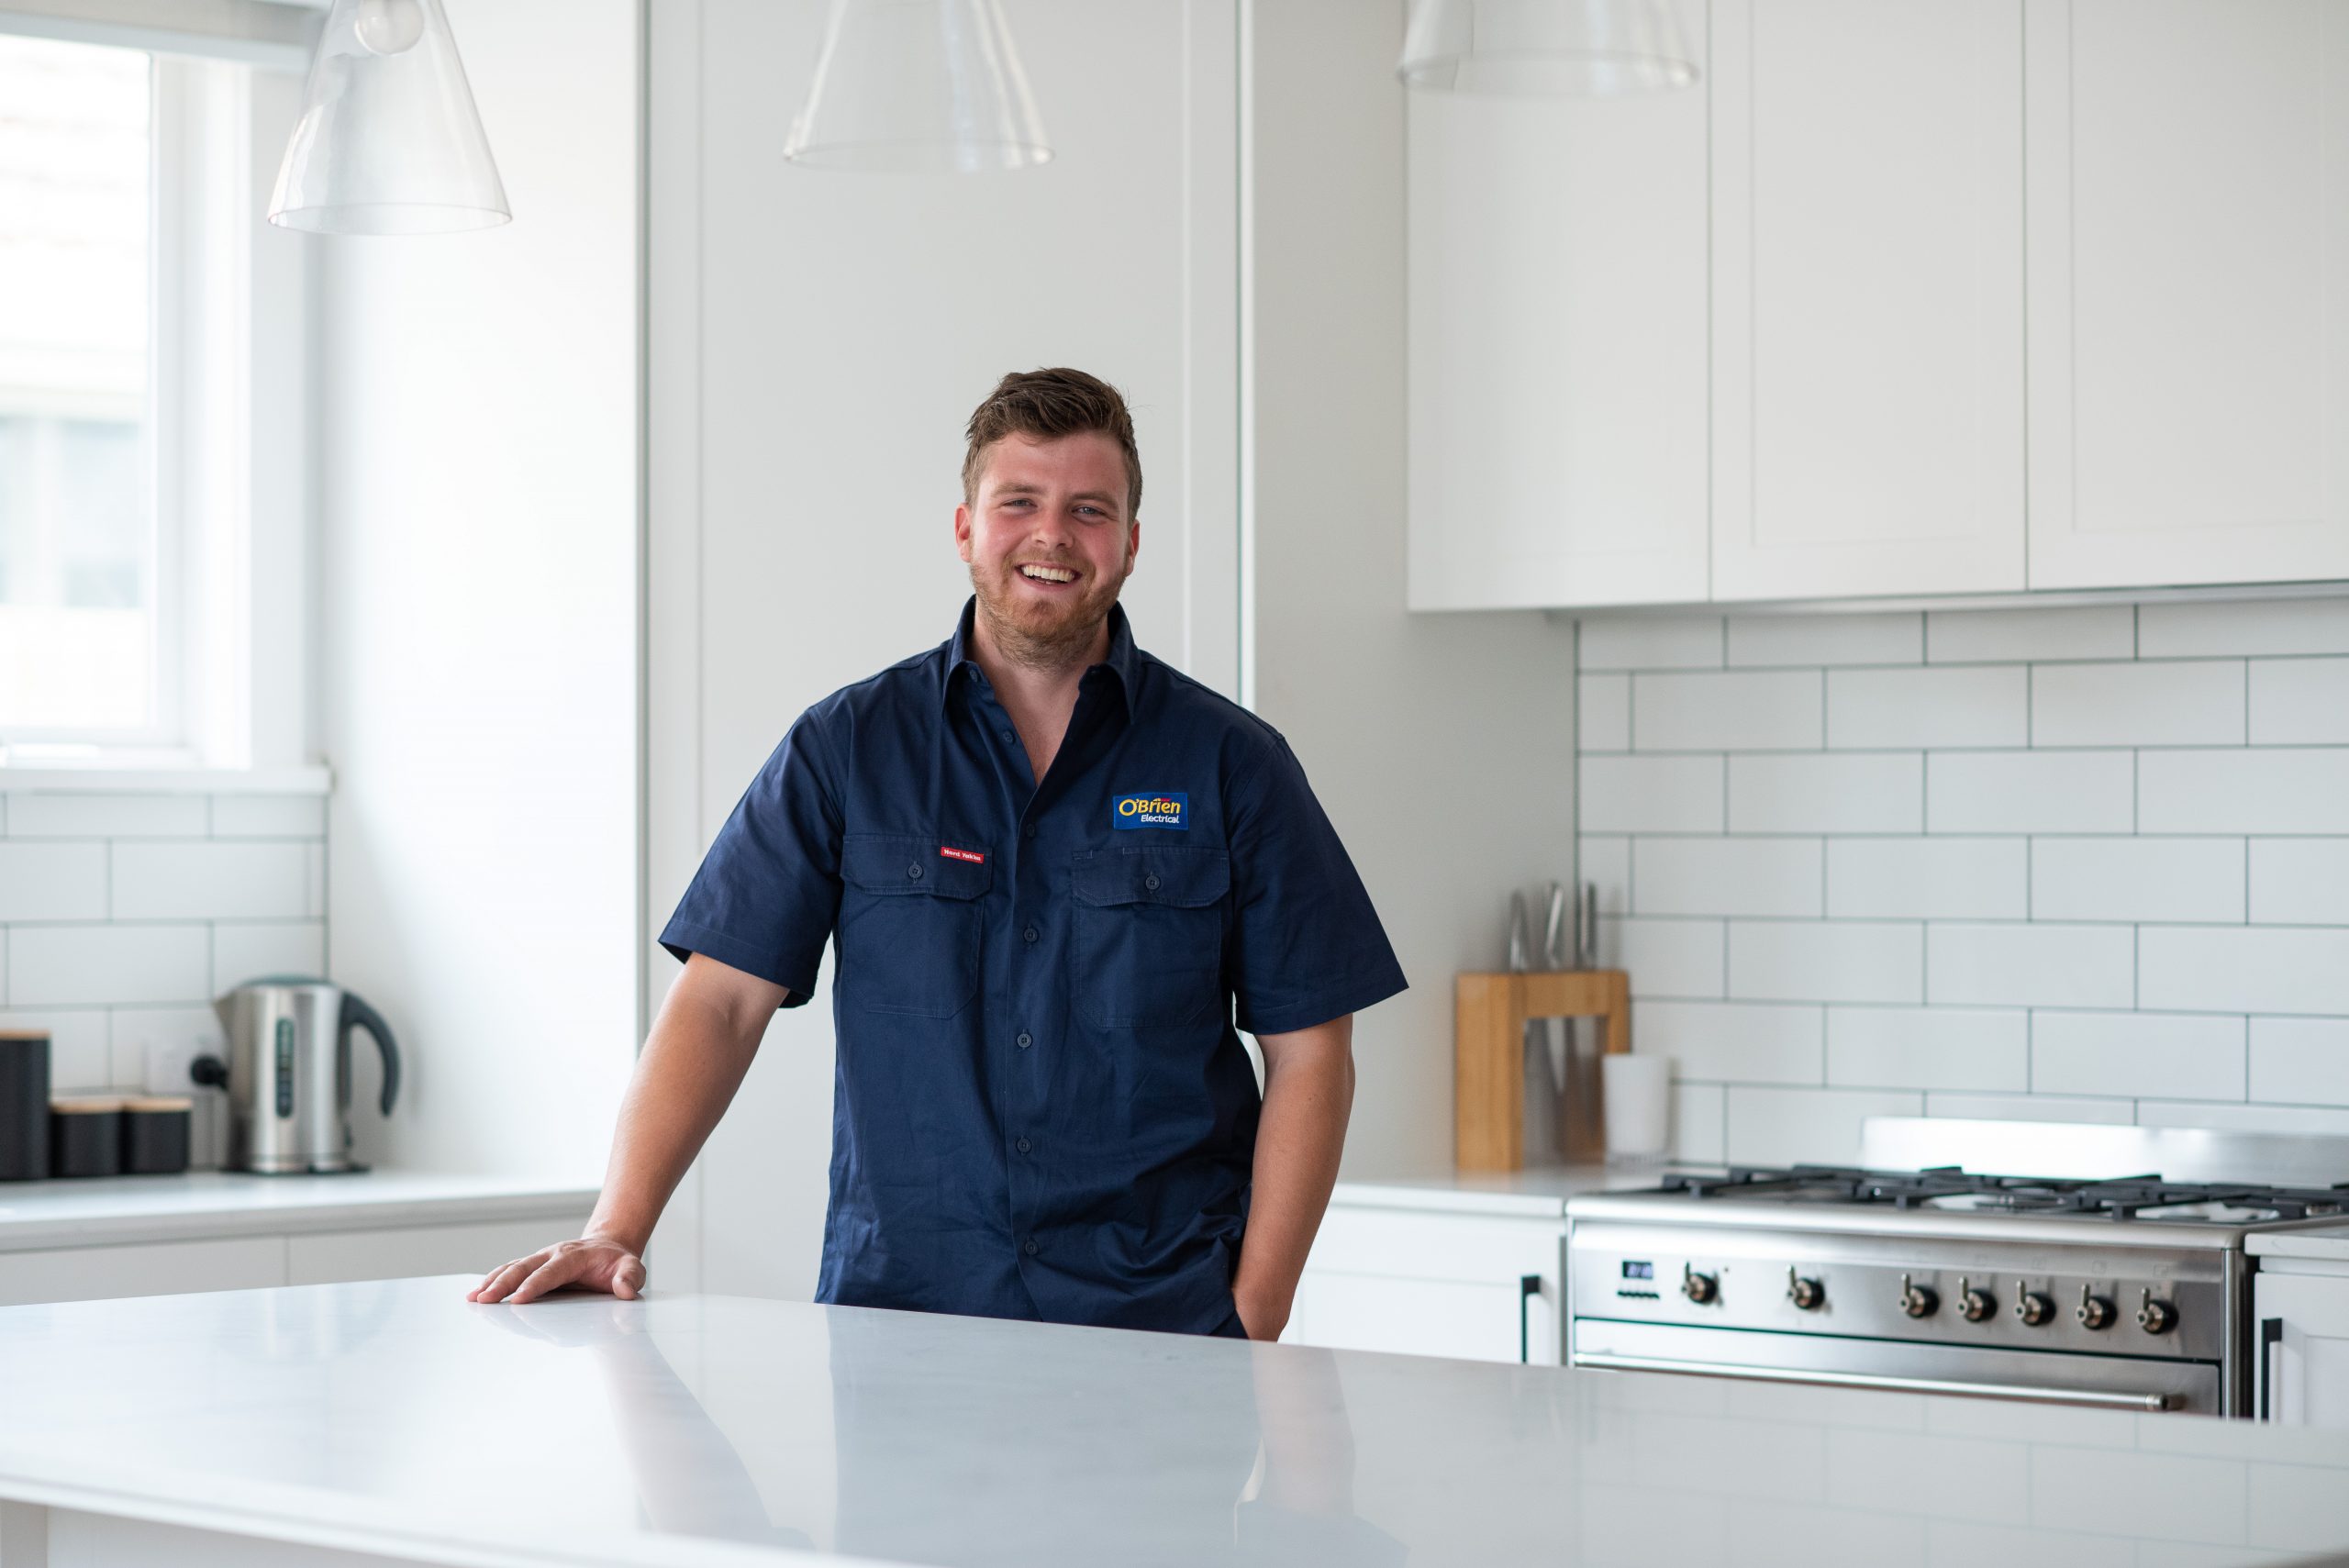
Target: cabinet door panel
1867, 298
2190, 308
163, 1267
334, 1256
2307, 1369
1428, 1284
1557, 350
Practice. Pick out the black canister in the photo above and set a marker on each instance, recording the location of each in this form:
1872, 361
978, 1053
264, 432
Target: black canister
85, 1135
23, 1105
154, 1134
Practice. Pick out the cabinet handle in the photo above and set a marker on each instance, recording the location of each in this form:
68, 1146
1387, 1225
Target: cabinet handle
2271, 1334
1528, 1287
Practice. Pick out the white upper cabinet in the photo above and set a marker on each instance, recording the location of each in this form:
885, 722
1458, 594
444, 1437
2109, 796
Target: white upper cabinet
2189, 171
1867, 207
1557, 350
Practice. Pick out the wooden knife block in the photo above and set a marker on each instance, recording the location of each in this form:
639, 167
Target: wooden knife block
1489, 1016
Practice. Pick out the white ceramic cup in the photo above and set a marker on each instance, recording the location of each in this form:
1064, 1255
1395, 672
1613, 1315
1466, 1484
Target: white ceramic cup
1637, 1091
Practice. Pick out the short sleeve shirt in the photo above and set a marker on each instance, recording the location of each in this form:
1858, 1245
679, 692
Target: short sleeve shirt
1041, 1107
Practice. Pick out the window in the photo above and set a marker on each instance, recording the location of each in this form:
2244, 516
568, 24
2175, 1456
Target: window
81, 593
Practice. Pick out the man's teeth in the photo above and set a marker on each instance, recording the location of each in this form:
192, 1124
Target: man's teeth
1048, 574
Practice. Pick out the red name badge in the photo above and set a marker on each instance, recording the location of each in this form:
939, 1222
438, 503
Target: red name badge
973, 856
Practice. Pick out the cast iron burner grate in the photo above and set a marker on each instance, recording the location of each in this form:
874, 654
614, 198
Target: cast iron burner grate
2121, 1198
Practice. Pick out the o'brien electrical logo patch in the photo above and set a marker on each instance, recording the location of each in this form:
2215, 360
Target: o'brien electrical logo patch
1152, 811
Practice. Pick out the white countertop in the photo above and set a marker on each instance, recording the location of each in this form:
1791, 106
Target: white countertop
120, 1210
1541, 1193
2325, 1241
396, 1415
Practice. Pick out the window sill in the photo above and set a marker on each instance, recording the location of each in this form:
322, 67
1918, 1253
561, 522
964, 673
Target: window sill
22, 778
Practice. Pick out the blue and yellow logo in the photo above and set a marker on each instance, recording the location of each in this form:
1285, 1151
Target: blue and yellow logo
1152, 811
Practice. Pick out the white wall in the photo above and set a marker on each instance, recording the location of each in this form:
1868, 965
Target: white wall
818, 340
1441, 745
2084, 865
478, 588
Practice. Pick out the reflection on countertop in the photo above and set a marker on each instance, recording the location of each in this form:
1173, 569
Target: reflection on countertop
122, 1210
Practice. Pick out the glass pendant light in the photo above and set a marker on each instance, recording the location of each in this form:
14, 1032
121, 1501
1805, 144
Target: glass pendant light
1546, 48
389, 141
919, 84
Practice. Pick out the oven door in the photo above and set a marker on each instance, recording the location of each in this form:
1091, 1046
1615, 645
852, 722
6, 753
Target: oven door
2111, 1383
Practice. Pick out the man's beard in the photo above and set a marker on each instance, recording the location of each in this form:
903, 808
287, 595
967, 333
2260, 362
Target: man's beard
1031, 633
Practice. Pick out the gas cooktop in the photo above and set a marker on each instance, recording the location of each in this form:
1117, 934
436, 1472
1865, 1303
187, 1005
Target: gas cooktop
1952, 1189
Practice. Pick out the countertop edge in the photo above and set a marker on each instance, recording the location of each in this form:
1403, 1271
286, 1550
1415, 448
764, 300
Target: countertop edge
413, 1211
2330, 1245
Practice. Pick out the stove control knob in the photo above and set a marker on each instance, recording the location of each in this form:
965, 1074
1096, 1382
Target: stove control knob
1699, 1288
1808, 1294
1978, 1305
1918, 1300
2155, 1316
2095, 1311
2033, 1308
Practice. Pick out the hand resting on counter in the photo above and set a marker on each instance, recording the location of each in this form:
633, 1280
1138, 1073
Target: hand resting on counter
592, 1263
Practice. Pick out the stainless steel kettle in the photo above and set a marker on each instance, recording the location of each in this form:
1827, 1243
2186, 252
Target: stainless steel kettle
288, 1073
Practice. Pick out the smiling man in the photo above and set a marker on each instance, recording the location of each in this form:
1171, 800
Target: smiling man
1059, 876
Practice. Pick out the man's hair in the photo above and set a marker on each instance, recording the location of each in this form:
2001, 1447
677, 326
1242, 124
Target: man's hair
1046, 405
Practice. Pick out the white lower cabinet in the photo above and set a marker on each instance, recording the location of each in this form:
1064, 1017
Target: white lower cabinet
331, 1257
1418, 1283
2302, 1339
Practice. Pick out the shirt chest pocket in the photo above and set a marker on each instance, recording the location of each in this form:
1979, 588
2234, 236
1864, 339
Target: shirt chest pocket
1147, 948
910, 924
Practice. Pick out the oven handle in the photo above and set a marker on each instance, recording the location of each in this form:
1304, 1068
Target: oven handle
1612, 1362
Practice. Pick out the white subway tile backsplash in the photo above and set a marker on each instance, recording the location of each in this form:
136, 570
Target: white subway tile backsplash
1823, 961
77, 1043
268, 817
1827, 640
1729, 710
1928, 1047
1781, 1127
2301, 1061
1976, 637
1854, 793
1698, 1113
2137, 879
1603, 713
1649, 642
256, 880
2240, 969
1607, 865
2247, 627
1927, 879
1726, 876
2185, 704
1651, 795
1733, 1042
65, 880
1890, 710
242, 952
107, 815
139, 1032
2300, 882
79, 965
2176, 1058
2029, 791
2300, 702
2235, 1117
1664, 958
2244, 790
2031, 1108
2030, 965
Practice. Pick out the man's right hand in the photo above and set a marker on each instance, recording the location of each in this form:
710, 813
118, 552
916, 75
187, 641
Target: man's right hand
592, 1263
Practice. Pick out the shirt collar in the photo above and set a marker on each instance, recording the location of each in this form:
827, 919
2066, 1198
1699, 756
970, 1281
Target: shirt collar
1123, 660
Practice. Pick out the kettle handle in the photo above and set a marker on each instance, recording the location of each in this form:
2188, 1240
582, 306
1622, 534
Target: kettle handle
358, 1013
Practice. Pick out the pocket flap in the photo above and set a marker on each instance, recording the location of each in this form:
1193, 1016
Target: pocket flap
902, 863
1187, 879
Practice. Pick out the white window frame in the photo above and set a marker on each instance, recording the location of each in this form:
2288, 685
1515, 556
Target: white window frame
227, 420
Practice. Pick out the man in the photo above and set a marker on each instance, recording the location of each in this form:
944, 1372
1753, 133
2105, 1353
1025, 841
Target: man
1051, 866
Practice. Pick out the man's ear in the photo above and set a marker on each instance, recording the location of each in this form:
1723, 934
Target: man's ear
963, 532
1133, 542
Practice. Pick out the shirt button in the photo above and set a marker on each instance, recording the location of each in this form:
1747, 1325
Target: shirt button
1029, 832
1025, 1042
914, 871
1028, 1246
1023, 1146
1004, 733
1030, 933
1150, 881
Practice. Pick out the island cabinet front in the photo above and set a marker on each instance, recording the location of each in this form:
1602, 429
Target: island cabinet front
1481, 1287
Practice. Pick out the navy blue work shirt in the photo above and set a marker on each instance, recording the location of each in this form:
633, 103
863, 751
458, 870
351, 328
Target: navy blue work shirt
1040, 1106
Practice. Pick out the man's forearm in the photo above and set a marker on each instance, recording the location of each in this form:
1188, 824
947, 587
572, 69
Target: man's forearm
1308, 1094
693, 1062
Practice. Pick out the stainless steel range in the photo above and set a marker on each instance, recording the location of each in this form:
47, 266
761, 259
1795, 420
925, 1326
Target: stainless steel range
2091, 1286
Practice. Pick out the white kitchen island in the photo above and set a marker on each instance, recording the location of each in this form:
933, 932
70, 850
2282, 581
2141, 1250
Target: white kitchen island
394, 1421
